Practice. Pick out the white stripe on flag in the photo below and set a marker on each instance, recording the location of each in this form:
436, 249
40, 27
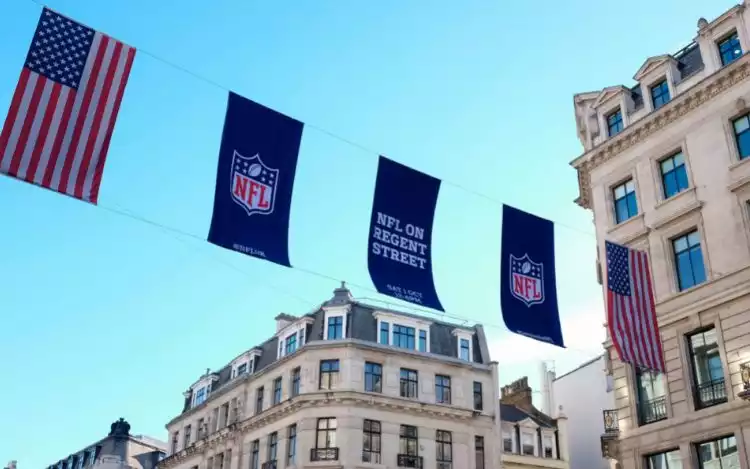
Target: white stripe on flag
55, 182
7, 158
90, 114
35, 128
636, 309
106, 118
44, 159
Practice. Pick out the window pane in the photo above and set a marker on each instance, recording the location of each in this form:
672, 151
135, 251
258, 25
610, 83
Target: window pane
667, 165
741, 124
630, 186
620, 192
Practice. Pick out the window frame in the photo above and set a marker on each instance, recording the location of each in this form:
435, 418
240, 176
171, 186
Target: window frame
277, 389
648, 459
674, 173
618, 123
273, 447
726, 38
374, 370
626, 197
478, 394
255, 454
408, 380
522, 446
327, 431
716, 384
404, 333
716, 443
443, 441
689, 250
443, 389
406, 440
663, 86
291, 447
335, 327
331, 374
259, 396
543, 450
479, 455
745, 117
658, 401
370, 434
296, 378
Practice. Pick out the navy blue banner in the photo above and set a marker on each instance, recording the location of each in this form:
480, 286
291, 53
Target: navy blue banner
254, 181
400, 244
528, 290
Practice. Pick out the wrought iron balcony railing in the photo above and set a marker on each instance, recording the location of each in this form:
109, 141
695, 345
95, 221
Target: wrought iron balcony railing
324, 454
653, 410
409, 460
444, 465
611, 423
269, 464
710, 393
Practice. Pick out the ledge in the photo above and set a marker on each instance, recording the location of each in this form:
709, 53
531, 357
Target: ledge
522, 460
628, 231
675, 208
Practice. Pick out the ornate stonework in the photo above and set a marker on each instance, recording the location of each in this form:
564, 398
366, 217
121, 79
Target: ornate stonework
691, 100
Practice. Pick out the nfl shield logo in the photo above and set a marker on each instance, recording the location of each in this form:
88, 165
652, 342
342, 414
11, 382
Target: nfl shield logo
526, 280
253, 184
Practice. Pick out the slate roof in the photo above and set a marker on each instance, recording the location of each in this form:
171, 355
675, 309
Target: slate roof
514, 414
361, 324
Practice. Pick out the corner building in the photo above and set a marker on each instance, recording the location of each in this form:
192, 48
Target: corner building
349, 385
665, 169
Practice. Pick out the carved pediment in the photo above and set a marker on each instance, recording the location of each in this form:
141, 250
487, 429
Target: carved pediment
608, 93
651, 64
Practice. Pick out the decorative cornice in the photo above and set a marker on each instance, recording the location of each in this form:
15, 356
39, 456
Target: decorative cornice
235, 431
693, 98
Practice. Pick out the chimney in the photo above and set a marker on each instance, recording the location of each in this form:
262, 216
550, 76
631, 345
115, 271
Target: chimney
517, 393
341, 296
283, 320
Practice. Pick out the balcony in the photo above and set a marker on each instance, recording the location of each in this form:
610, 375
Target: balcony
269, 464
444, 465
609, 439
409, 460
324, 454
710, 393
653, 410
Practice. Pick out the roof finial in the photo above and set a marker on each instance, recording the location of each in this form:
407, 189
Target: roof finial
343, 284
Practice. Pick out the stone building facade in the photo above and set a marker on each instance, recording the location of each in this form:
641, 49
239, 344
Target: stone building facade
348, 385
665, 169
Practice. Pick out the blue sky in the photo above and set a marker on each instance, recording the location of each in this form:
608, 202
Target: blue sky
104, 316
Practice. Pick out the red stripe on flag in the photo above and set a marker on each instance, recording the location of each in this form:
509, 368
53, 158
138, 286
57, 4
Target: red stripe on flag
98, 113
36, 96
43, 131
82, 114
13, 111
55, 152
97, 178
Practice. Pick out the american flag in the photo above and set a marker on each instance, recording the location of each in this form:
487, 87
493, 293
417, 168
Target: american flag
630, 308
63, 111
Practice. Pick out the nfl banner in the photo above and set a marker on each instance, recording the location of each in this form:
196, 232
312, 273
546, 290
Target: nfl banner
528, 291
400, 243
254, 181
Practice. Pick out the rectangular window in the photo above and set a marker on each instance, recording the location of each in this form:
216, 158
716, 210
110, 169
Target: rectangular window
409, 383
408, 441
626, 204
175, 441
373, 377
479, 451
291, 344
688, 259
403, 336
295, 381
255, 455
302, 336
242, 369
444, 445
507, 442
718, 454
291, 453
200, 396
371, 436
384, 332
224, 415
325, 434
660, 94
209, 463
442, 389
548, 444
259, 400
741, 127
277, 391
708, 373
478, 403
665, 460
273, 446
335, 327
527, 444
614, 123
730, 49
464, 350
186, 443
219, 461
652, 401
422, 340
673, 175
329, 374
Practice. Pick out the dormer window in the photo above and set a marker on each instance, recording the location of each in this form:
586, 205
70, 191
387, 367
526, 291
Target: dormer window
660, 94
464, 344
614, 123
335, 324
730, 49
245, 363
200, 396
403, 332
292, 336
201, 389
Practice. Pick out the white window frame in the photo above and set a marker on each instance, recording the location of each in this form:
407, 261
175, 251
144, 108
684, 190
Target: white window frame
528, 431
298, 328
468, 335
250, 358
406, 321
551, 435
332, 313
204, 382
512, 432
